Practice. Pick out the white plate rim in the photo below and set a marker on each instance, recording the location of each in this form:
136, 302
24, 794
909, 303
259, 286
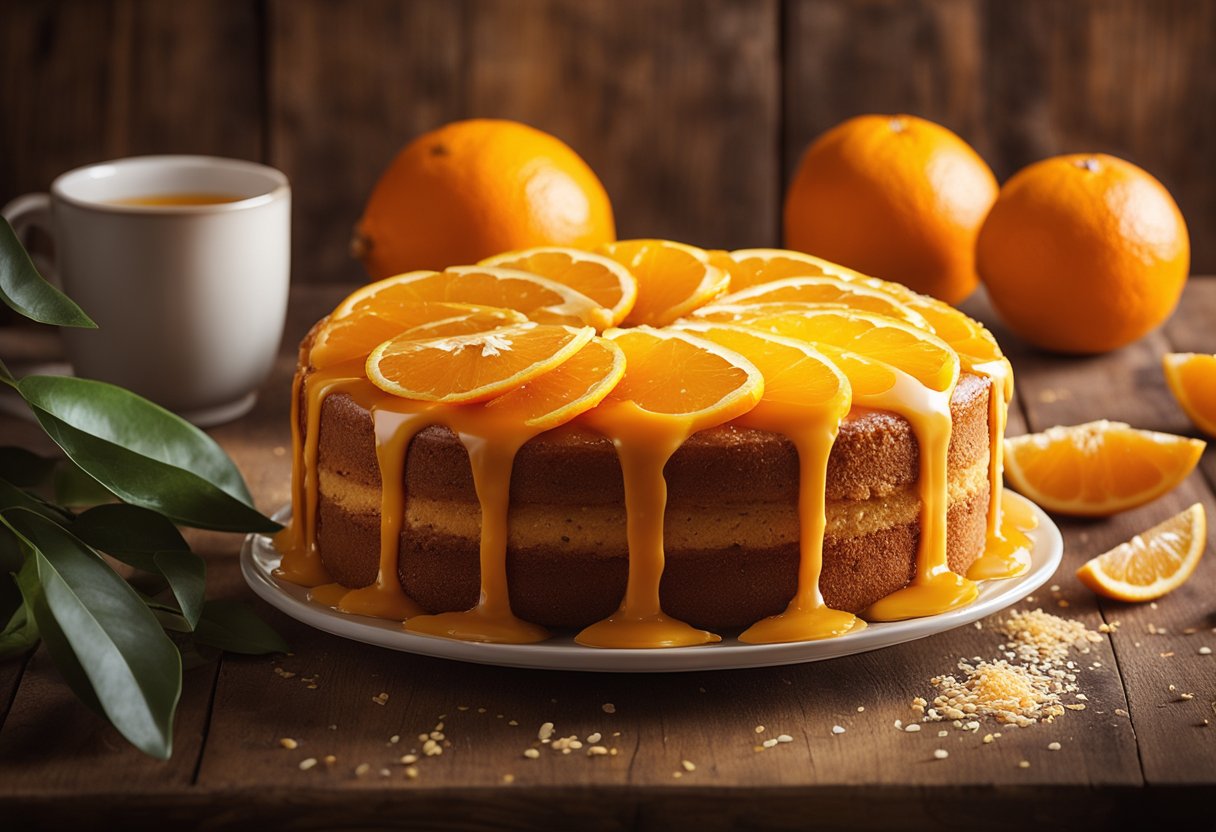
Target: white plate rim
259, 558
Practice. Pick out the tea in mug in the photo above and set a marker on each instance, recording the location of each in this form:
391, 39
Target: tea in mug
164, 200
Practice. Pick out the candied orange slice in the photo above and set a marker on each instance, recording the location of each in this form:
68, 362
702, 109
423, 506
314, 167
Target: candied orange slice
1153, 562
575, 386
600, 278
541, 299
672, 373
753, 266
1192, 379
1098, 468
811, 291
475, 367
920, 354
673, 278
356, 335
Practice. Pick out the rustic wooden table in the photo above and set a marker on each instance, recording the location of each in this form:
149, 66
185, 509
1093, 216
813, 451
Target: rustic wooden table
1140, 752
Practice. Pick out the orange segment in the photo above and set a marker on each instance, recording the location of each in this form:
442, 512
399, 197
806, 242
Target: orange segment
600, 278
672, 373
920, 354
573, 387
673, 278
1153, 562
470, 368
813, 291
1192, 379
753, 266
356, 335
1098, 468
541, 299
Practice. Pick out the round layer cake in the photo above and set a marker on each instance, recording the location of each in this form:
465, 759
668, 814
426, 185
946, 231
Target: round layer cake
731, 526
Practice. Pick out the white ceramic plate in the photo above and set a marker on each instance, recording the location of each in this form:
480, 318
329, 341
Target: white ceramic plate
259, 560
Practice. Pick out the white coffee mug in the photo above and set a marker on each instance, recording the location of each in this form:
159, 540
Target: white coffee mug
184, 263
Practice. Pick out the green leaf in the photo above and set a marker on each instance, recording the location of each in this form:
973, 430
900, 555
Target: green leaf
26, 292
143, 453
76, 489
187, 576
129, 533
129, 661
19, 632
13, 497
53, 638
23, 468
6, 377
233, 626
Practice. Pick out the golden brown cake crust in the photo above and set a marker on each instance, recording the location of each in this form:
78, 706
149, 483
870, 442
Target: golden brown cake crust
571, 580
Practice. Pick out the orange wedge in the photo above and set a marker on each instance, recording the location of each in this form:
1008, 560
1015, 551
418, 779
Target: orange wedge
356, 335
472, 368
920, 354
1153, 562
673, 278
541, 299
1192, 379
753, 266
812, 291
1098, 468
575, 386
672, 373
600, 278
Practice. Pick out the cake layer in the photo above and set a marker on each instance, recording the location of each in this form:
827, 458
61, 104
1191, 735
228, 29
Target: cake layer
731, 533
715, 588
874, 454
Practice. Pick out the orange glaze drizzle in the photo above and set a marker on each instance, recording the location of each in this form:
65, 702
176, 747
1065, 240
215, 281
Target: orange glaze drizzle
807, 617
1007, 549
395, 426
644, 443
492, 443
301, 562
935, 588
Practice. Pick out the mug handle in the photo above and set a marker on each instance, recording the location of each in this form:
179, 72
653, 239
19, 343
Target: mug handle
32, 211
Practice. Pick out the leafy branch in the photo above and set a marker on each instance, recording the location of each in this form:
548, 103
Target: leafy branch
138, 472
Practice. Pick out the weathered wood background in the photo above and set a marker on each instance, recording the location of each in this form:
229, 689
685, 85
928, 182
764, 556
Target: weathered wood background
693, 112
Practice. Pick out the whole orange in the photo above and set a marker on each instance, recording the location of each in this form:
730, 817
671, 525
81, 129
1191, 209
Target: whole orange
475, 188
896, 197
1083, 253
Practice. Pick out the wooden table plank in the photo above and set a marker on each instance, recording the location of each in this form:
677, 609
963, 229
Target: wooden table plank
1175, 745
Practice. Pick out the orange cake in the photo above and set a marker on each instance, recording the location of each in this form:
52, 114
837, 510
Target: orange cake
768, 443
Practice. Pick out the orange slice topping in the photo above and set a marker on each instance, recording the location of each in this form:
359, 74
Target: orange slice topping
1153, 562
356, 335
1192, 379
753, 266
673, 279
672, 373
471, 368
557, 396
823, 292
541, 299
600, 278
916, 352
1098, 468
